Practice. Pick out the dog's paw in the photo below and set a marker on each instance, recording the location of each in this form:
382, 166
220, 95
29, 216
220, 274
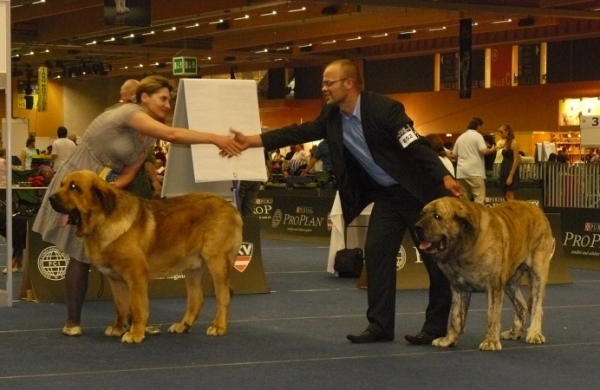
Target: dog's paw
535, 338
490, 345
510, 335
130, 338
215, 331
444, 342
115, 331
180, 327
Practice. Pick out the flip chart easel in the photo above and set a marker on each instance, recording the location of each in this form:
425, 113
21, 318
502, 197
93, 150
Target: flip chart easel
213, 106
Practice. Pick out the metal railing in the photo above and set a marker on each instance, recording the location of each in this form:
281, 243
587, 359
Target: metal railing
564, 185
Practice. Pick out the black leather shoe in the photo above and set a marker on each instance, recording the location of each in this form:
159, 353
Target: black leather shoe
368, 336
423, 338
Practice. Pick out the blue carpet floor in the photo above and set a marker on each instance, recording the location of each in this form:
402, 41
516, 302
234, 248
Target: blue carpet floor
294, 338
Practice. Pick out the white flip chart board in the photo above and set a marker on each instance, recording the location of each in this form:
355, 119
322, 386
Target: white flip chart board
213, 106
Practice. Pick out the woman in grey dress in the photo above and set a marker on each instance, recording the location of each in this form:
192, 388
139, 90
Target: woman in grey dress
119, 139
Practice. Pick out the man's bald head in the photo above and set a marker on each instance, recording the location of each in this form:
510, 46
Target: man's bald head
128, 90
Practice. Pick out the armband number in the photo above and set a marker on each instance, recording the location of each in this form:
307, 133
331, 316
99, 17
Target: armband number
407, 135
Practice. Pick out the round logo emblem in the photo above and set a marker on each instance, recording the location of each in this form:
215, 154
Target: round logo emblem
52, 263
400, 258
276, 218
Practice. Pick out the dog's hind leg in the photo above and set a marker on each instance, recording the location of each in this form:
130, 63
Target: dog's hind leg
513, 292
120, 293
220, 272
195, 301
538, 277
458, 316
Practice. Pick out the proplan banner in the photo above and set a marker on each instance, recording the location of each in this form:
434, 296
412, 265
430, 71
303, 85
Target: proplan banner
42, 89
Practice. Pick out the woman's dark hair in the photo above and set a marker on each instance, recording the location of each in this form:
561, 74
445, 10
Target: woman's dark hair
30, 141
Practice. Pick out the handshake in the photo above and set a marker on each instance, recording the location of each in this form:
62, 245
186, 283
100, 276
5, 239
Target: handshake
233, 146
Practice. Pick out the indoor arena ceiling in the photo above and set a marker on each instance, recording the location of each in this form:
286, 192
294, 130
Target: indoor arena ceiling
247, 35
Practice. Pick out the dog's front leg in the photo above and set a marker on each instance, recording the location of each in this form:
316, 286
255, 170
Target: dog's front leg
138, 293
492, 335
458, 313
120, 293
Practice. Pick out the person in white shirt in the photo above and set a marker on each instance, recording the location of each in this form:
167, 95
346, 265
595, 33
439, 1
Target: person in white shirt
469, 149
62, 148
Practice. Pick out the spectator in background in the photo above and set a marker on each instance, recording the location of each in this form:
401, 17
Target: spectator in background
489, 158
469, 150
62, 148
28, 153
73, 137
435, 142
320, 154
511, 159
3, 167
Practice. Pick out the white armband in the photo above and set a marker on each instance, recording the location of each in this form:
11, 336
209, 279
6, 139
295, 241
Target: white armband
407, 135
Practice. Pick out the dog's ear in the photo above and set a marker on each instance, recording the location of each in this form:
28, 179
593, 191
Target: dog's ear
106, 196
467, 219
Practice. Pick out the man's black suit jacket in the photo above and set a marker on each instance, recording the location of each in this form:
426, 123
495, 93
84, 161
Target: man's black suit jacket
416, 167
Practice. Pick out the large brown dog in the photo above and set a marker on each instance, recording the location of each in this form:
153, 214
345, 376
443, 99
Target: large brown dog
489, 249
132, 240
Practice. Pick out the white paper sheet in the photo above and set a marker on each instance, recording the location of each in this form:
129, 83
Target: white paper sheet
216, 106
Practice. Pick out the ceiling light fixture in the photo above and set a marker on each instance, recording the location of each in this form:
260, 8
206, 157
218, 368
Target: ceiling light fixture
109, 40
270, 13
129, 36
354, 39
243, 17
44, 51
149, 33
193, 25
502, 21
297, 9
379, 35
170, 29
329, 42
262, 51
408, 32
437, 28
216, 21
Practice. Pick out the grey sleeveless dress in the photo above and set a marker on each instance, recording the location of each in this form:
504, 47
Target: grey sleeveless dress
107, 142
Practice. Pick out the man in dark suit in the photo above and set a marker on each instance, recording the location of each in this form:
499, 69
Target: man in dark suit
377, 157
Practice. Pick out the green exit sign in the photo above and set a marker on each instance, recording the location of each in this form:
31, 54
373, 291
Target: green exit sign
183, 66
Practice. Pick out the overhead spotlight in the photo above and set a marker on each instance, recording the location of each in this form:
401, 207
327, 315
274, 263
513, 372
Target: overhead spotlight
224, 25
526, 22
329, 10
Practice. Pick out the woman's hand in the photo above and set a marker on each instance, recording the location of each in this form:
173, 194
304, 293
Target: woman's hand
228, 146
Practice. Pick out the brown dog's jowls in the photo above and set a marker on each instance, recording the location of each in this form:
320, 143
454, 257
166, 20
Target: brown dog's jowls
133, 240
489, 249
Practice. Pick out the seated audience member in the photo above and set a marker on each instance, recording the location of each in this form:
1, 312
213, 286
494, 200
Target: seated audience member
435, 142
552, 158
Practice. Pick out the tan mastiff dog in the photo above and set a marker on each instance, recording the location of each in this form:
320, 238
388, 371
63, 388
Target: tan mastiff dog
489, 249
133, 240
